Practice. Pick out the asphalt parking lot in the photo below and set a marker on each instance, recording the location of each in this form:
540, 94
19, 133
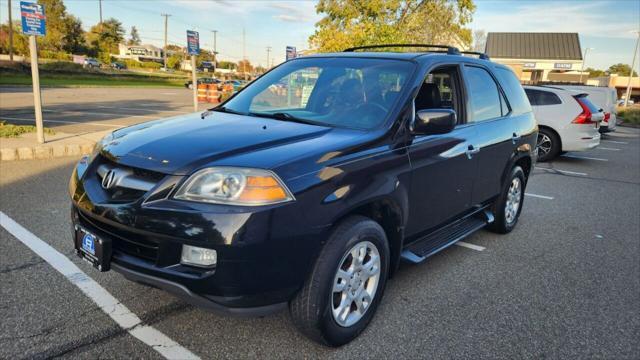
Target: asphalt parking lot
78, 110
564, 284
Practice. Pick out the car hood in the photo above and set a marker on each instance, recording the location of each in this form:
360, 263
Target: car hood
181, 144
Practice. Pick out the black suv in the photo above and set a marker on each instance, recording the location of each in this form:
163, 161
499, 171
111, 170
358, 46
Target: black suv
309, 194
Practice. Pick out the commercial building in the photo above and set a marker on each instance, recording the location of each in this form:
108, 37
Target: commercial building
140, 52
538, 57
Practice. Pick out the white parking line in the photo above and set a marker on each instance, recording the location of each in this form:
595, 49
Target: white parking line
140, 109
562, 171
539, 196
616, 142
471, 246
91, 112
606, 148
107, 303
64, 122
584, 157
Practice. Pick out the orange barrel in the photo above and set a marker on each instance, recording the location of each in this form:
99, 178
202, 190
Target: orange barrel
213, 95
202, 92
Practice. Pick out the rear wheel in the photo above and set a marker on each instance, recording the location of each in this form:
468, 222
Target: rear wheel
508, 206
548, 145
343, 292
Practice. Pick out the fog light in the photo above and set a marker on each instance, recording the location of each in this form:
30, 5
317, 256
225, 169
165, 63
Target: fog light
197, 256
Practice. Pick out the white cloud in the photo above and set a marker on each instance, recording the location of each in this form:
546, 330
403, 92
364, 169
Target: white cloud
288, 11
584, 17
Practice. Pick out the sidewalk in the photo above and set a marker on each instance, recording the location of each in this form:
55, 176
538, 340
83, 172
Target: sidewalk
27, 147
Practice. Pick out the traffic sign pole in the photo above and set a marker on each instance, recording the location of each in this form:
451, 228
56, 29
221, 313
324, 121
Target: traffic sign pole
37, 98
194, 80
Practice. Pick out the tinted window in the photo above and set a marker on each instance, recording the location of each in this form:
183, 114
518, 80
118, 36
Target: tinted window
344, 92
513, 90
484, 95
542, 98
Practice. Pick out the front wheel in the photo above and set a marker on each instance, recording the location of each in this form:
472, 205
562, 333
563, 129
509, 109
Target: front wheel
345, 287
508, 206
548, 145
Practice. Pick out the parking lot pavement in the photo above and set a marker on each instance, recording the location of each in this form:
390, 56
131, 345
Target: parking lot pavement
564, 284
76, 110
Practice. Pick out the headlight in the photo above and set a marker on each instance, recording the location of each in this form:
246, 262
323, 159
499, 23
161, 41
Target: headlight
234, 186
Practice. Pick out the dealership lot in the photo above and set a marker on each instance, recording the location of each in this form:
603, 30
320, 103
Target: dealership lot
565, 283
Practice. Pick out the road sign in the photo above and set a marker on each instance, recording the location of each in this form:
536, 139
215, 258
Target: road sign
193, 42
33, 19
291, 52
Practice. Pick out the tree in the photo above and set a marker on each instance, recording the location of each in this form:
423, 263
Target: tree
479, 40
104, 38
349, 23
134, 37
226, 65
595, 72
64, 31
174, 61
244, 66
621, 69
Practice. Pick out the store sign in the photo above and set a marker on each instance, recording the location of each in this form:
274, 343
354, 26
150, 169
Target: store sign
291, 53
563, 66
193, 42
529, 65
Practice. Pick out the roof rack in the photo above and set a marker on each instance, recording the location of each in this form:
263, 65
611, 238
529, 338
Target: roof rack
482, 56
451, 50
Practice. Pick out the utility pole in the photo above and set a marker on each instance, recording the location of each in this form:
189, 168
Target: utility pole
100, 6
164, 51
268, 53
584, 60
633, 65
244, 54
215, 47
10, 34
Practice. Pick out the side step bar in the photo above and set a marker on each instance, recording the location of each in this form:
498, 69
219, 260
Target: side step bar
421, 249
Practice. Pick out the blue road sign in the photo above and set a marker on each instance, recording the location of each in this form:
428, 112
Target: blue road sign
193, 42
33, 19
291, 52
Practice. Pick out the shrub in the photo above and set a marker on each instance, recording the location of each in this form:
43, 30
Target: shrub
142, 64
630, 115
55, 55
62, 66
13, 131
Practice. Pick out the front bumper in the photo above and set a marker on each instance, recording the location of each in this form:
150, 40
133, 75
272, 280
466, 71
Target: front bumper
264, 254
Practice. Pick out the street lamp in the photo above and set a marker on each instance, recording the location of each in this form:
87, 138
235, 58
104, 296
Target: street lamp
584, 60
633, 64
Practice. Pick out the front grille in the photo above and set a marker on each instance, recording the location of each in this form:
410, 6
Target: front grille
135, 182
123, 241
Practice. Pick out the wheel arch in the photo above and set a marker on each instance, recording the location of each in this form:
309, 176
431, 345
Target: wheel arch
549, 128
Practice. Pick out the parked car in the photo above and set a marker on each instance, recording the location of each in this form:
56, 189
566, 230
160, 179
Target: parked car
273, 200
91, 63
567, 120
206, 80
237, 84
621, 102
602, 97
118, 66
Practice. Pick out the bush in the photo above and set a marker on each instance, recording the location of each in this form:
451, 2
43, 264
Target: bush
55, 55
142, 64
62, 66
630, 115
13, 131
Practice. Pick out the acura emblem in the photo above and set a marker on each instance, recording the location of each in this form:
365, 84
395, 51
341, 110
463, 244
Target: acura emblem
109, 179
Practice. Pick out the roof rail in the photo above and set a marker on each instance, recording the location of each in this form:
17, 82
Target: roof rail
451, 50
482, 56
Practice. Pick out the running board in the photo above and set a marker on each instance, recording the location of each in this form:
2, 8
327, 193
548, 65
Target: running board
418, 251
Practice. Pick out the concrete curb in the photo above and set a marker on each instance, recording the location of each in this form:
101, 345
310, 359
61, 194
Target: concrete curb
46, 151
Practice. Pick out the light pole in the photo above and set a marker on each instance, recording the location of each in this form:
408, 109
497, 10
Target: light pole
584, 60
633, 64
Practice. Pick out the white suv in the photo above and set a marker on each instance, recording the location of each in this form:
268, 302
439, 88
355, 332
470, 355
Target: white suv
603, 97
567, 120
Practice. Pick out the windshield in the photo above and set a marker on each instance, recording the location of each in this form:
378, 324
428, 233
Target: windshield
343, 92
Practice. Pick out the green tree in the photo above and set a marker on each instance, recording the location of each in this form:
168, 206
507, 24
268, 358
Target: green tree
64, 31
595, 72
621, 69
73, 39
226, 65
349, 23
134, 37
104, 38
174, 61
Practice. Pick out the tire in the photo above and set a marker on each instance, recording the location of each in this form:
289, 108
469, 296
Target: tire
312, 309
547, 144
505, 220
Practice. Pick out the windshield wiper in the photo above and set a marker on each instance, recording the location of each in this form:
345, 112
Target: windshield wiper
285, 117
225, 109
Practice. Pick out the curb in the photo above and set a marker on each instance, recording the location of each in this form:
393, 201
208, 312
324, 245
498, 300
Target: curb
45, 152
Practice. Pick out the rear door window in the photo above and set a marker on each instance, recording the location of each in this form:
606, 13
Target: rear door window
513, 90
483, 95
542, 98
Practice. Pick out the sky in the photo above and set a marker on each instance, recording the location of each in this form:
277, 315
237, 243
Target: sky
605, 26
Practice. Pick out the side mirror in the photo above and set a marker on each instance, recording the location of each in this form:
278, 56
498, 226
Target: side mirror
434, 121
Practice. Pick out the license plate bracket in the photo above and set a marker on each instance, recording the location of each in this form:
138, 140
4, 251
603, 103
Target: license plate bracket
93, 248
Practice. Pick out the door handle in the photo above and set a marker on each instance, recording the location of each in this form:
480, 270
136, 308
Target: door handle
515, 138
472, 150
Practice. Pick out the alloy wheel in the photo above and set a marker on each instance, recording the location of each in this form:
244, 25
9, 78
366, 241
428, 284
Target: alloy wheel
355, 283
543, 144
514, 195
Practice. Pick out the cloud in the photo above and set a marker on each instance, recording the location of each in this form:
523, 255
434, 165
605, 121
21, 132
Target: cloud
585, 18
287, 11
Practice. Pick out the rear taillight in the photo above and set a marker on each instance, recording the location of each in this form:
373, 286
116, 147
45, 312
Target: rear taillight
585, 115
607, 116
